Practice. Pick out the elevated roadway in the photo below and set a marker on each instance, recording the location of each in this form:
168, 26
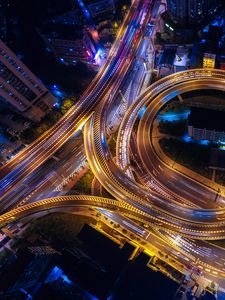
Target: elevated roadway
185, 251
192, 222
152, 102
134, 200
64, 202
190, 189
42, 149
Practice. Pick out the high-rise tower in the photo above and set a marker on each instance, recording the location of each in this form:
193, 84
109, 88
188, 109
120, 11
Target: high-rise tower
191, 12
20, 88
177, 10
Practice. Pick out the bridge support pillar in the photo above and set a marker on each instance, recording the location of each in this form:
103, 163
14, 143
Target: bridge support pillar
180, 98
136, 252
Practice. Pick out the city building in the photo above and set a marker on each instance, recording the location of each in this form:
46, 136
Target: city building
43, 250
181, 61
20, 89
222, 64
100, 8
209, 60
166, 61
177, 11
206, 124
32, 277
173, 59
191, 12
69, 42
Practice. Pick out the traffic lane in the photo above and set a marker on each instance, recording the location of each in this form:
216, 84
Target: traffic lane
7, 183
41, 178
196, 190
36, 144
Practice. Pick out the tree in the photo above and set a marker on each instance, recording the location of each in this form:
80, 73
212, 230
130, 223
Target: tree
66, 105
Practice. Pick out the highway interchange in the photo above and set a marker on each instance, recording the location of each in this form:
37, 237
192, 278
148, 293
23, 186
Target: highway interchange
171, 203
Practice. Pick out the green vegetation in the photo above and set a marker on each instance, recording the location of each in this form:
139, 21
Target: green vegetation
121, 8
176, 106
112, 144
66, 105
4, 254
84, 184
220, 177
174, 128
106, 194
206, 98
220, 243
31, 134
191, 155
57, 228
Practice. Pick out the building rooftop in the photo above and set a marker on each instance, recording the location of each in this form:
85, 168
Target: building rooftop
205, 118
167, 57
61, 31
69, 18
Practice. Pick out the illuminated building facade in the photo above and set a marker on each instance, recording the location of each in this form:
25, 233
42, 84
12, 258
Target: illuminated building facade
177, 10
209, 60
70, 44
20, 88
191, 12
99, 8
206, 124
